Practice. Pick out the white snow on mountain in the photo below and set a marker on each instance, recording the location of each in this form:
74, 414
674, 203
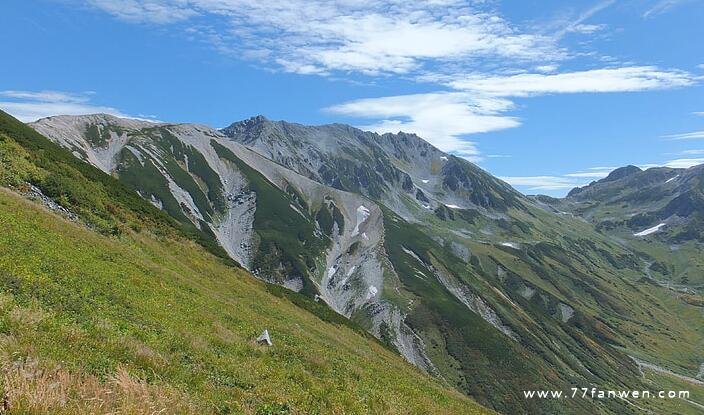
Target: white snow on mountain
649, 231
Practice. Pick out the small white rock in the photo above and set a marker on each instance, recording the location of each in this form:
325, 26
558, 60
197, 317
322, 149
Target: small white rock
265, 338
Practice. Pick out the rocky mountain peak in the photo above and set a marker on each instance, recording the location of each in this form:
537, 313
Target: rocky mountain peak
621, 172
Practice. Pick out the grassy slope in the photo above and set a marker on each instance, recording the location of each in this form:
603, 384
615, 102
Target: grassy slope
138, 321
658, 381
106, 203
166, 312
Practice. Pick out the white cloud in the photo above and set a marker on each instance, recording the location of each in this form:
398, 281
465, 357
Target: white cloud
441, 118
578, 179
701, 114
562, 182
467, 46
685, 136
541, 183
546, 68
683, 163
661, 6
692, 152
30, 106
578, 26
590, 174
146, 11
312, 37
588, 28
624, 79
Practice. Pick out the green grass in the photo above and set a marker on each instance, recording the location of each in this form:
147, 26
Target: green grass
658, 381
122, 312
176, 318
101, 200
482, 362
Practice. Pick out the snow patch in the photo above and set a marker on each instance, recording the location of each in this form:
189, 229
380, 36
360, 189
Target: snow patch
671, 179
425, 181
351, 271
511, 245
453, 206
362, 215
372, 292
649, 231
412, 254
443, 158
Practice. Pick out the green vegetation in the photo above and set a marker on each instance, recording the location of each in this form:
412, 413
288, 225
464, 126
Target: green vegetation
104, 202
288, 245
162, 324
327, 216
144, 320
484, 363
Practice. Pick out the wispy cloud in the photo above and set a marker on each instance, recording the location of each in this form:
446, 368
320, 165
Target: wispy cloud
481, 102
561, 182
684, 163
624, 79
32, 105
578, 25
685, 136
541, 183
155, 11
661, 6
592, 173
477, 58
557, 183
365, 36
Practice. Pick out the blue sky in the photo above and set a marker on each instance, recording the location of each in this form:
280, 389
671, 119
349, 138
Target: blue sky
544, 94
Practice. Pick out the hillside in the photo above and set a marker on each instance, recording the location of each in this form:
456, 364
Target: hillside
465, 277
107, 305
658, 212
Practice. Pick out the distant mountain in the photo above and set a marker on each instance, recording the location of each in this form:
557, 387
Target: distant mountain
639, 200
658, 211
488, 290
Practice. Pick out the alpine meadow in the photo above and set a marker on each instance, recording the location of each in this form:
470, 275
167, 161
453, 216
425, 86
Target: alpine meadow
429, 219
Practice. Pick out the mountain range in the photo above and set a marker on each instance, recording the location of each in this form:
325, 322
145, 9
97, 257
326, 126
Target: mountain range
489, 291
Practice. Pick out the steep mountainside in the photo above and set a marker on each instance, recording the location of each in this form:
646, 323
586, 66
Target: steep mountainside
464, 276
401, 170
107, 306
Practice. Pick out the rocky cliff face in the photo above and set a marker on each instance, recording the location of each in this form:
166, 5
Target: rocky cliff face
464, 276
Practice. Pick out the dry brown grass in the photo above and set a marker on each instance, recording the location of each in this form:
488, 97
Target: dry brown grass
33, 388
